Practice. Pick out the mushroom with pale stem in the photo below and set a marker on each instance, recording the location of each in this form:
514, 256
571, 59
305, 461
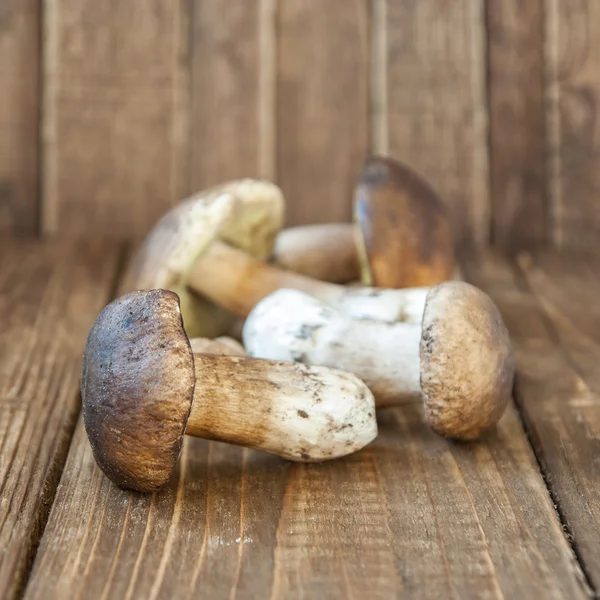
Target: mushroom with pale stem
401, 236
245, 213
458, 360
143, 388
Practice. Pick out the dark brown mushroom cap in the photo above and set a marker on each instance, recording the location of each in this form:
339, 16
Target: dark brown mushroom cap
403, 231
467, 364
137, 386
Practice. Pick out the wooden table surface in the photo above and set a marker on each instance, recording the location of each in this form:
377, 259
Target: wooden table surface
516, 515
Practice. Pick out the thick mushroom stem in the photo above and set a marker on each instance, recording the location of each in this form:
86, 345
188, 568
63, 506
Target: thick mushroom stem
289, 325
238, 282
298, 412
325, 251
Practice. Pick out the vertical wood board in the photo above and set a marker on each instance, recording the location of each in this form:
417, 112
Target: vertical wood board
233, 91
517, 123
19, 114
434, 102
116, 111
322, 105
573, 94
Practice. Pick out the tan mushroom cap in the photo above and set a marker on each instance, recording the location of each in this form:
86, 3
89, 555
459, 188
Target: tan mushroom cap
403, 233
137, 386
245, 213
467, 365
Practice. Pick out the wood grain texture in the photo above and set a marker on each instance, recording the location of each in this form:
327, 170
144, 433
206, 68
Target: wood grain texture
49, 296
550, 307
322, 105
19, 108
573, 94
430, 108
116, 111
517, 122
411, 516
233, 87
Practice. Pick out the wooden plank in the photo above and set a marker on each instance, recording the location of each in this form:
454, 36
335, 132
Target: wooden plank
49, 295
432, 103
233, 87
567, 291
517, 122
413, 515
19, 115
116, 111
573, 91
556, 332
322, 105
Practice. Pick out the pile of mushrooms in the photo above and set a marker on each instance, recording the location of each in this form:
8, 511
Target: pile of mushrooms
336, 320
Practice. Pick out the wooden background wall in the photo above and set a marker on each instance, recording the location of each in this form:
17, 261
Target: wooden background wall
112, 111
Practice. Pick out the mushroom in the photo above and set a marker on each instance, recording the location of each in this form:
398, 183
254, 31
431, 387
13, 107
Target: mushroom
245, 213
459, 360
325, 251
403, 232
401, 236
143, 387
235, 280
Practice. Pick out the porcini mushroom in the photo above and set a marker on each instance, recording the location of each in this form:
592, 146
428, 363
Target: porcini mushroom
458, 360
246, 213
143, 387
401, 236
404, 236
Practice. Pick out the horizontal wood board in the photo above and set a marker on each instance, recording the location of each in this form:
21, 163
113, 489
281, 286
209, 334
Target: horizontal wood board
50, 293
549, 303
412, 515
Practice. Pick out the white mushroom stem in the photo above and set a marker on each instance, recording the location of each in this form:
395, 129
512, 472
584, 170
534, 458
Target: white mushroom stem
298, 412
290, 325
238, 282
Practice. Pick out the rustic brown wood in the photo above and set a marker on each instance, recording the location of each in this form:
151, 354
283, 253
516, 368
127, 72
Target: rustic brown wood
412, 515
556, 332
429, 101
116, 112
322, 105
19, 114
568, 429
233, 86
573, 90
517, 122
49, 295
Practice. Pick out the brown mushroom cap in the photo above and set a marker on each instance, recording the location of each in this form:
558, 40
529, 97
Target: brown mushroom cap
137, 386
467, 364
403, 233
